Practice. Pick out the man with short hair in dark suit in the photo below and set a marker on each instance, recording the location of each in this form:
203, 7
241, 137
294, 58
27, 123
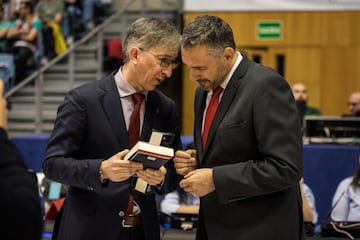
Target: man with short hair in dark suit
90, 139
247, 172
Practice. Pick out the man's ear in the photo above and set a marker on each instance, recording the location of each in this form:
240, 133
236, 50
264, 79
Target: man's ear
229, 53
134, 54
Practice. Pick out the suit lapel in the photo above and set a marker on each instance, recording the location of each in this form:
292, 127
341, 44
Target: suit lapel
152, 109
200, 102
149, 117
111, 103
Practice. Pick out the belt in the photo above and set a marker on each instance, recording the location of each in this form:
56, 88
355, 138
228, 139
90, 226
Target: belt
132, 221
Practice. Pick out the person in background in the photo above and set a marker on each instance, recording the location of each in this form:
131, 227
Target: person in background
248, 160
180, 201
71, 23
309, 208
20, 201
13, 11
24, 35
354, 104
7, 73
91, 137
346, 200
102, 9
51, 14
301, 97
88, 7
4, 28
6, 4
45, 192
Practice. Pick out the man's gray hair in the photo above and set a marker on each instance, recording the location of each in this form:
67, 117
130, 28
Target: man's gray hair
147, 33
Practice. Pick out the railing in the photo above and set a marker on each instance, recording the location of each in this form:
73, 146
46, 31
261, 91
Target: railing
37, 77
38, 74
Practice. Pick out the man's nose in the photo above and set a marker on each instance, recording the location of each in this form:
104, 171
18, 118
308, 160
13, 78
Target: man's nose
167, 71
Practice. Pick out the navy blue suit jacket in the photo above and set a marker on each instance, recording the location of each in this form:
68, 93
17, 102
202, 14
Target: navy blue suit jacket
89, 128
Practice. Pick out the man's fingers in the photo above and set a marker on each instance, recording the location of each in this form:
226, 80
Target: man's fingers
1, 87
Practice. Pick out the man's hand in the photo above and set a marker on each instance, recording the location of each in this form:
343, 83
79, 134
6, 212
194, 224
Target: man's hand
3, 109
152, 176
116, 169
199, 182
185, 161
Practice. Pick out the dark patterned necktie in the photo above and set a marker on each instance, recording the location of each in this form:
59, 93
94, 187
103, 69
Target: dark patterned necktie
134, 126
133, 134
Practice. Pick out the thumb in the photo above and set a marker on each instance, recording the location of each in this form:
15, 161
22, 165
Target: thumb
123, 153
190, 174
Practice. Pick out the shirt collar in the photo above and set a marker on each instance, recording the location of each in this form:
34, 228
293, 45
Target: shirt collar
124, 87
234, 67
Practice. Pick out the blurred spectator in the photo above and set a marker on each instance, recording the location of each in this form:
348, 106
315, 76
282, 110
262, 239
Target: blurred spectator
88, 7
51, 13
103, 9
51, 191
301, 97
180, 201
7, 73
4, 28
81, 16
309, 208
72, 25
354, 104
7, 70
14, 9
24, 35
346, 200
19, 202
6, 4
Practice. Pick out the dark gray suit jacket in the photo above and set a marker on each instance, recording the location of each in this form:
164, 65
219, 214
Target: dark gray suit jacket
89, 128
255, 149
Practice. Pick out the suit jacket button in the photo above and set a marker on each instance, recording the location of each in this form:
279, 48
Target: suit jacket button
121, 213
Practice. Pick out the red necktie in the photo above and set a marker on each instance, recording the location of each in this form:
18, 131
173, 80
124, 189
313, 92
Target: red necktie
133, 134
134, 126
210, 113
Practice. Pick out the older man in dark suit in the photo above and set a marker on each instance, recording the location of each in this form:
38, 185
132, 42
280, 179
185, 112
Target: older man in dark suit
91, 136
248, 160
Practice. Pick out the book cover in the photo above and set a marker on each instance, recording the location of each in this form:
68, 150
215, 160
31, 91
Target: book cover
165, 139
152, 156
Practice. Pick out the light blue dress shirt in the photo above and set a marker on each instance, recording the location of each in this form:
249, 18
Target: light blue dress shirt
346, 202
